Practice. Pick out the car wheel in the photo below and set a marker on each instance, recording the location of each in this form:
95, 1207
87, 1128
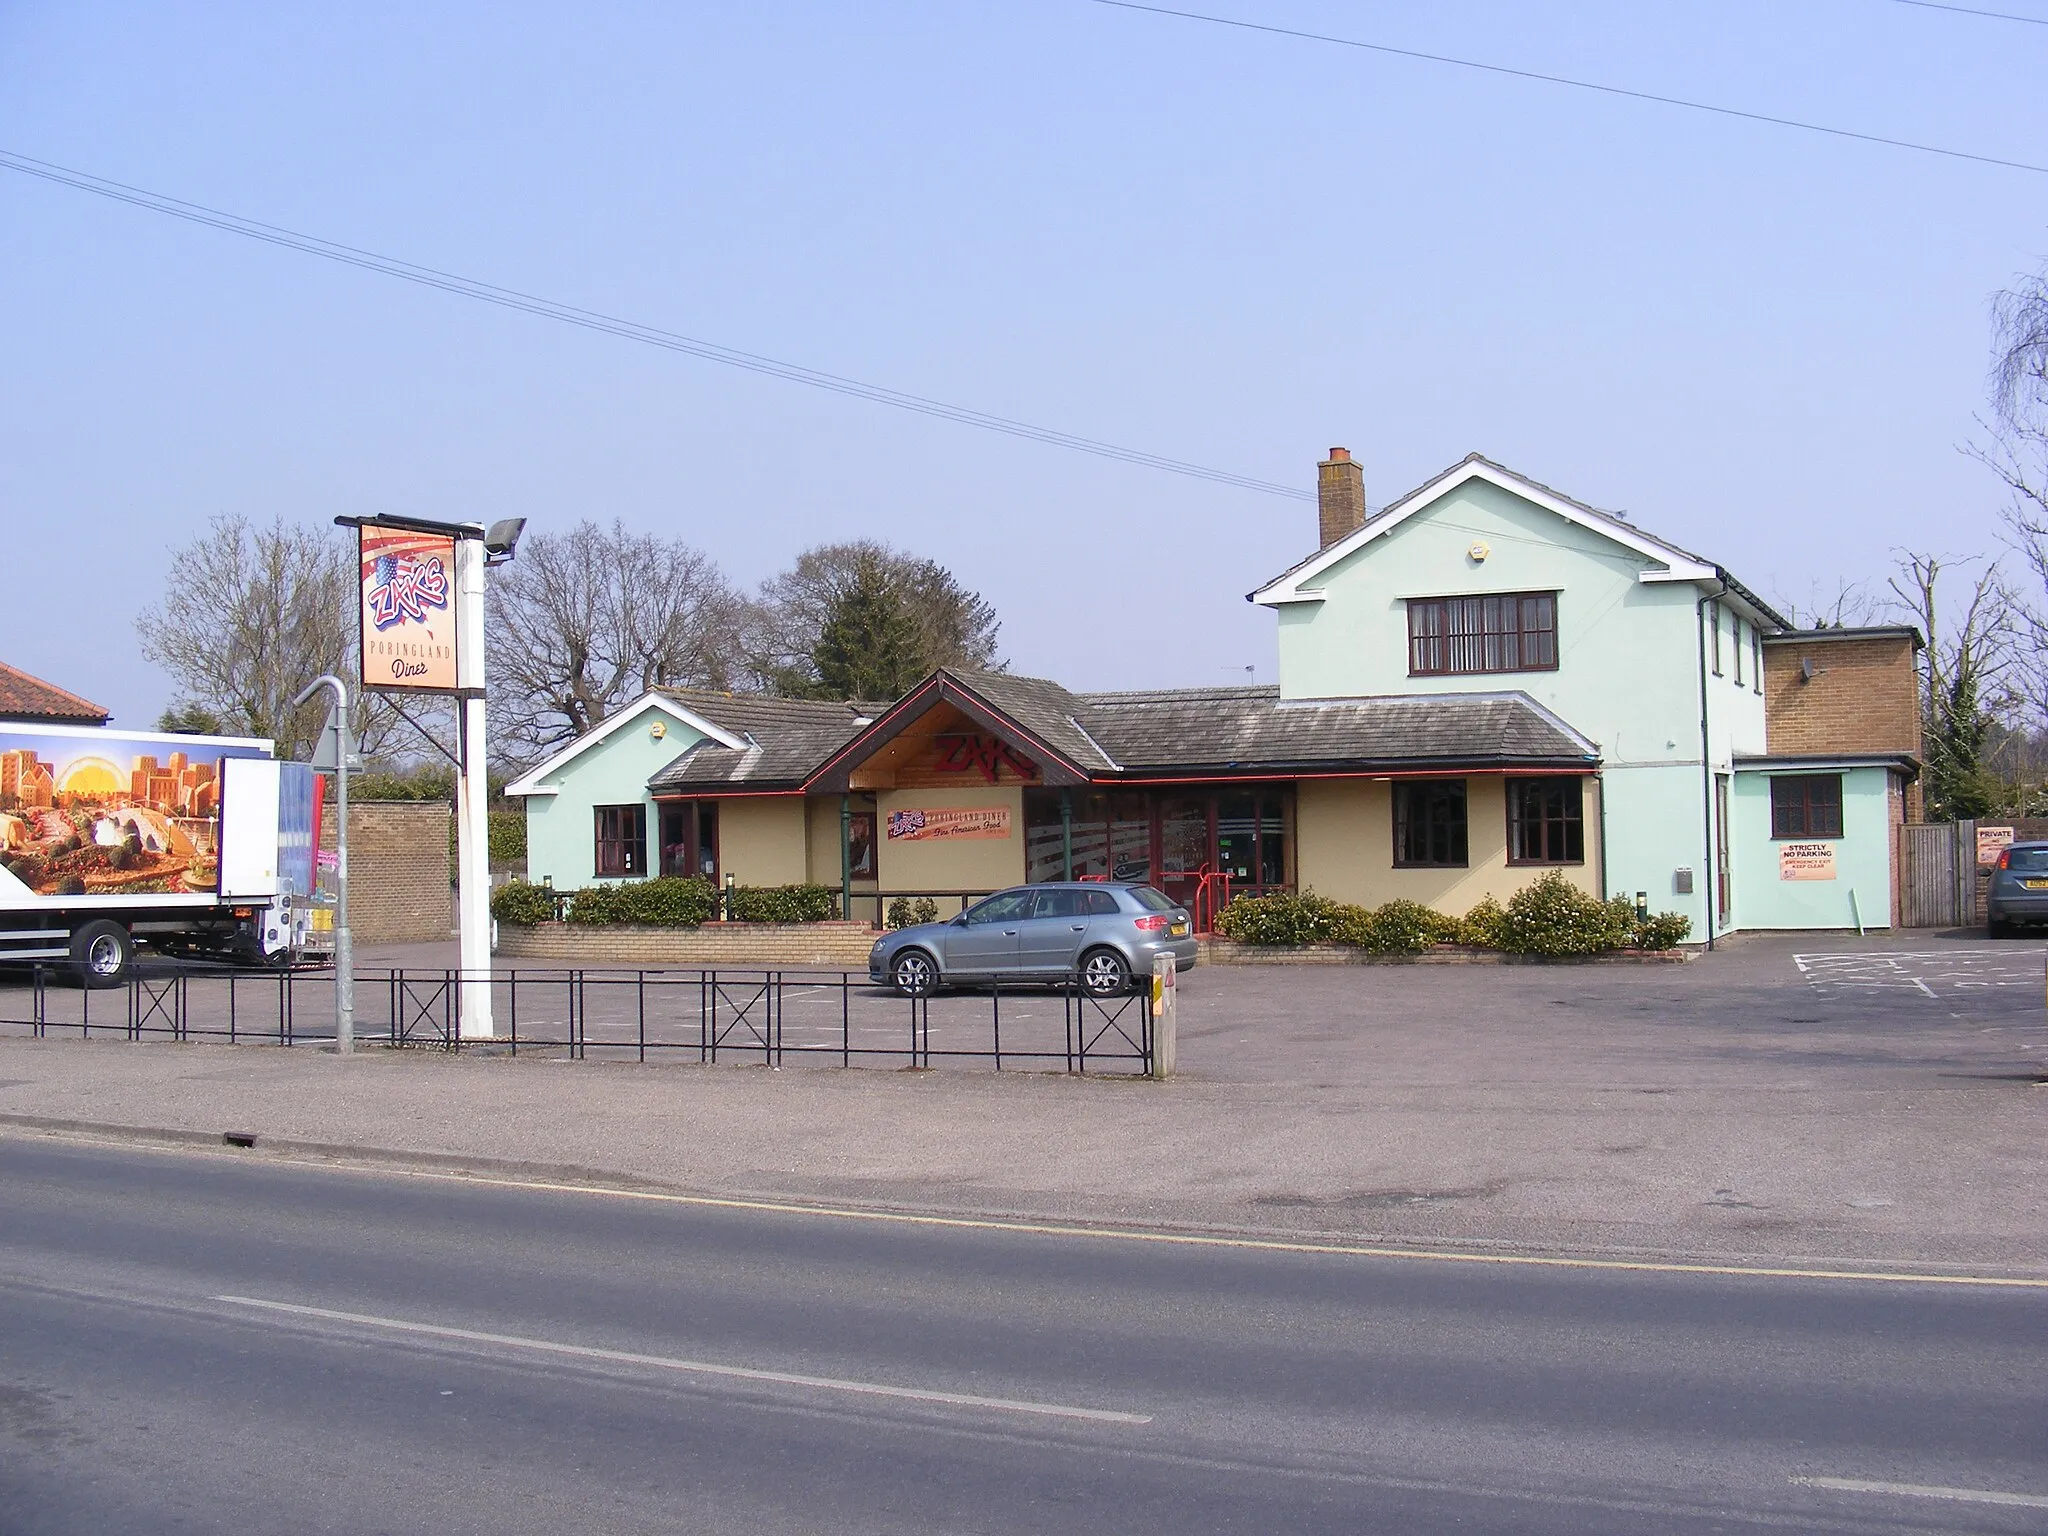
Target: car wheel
101, 952
1104, 973
914, 973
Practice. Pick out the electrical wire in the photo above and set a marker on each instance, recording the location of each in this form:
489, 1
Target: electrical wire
1578, 85
630, 330
1965, 10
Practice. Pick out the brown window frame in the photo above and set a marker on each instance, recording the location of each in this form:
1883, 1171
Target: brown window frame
1406, 830
1438, 647
1567, 827
620, 851
1794, 819
1714, 617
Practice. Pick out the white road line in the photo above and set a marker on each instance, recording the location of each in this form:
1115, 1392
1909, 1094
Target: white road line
1924, 987
694, 1367
1925, 1491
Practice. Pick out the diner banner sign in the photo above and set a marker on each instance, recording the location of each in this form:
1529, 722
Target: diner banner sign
408, 613
1806, 861
949, 822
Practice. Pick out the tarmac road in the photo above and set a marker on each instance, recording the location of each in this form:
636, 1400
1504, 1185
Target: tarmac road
468, 1357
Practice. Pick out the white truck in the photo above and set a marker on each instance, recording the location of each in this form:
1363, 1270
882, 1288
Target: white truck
186, 844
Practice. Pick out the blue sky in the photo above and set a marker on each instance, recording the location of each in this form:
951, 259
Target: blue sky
1240, 250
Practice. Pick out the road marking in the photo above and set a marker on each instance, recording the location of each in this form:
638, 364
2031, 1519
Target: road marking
693, 1367
1211, 1240
336, 1163
1926, 988
1925, 1491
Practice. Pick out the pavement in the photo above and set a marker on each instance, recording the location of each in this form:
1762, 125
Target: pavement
195, 1343
1868, 1102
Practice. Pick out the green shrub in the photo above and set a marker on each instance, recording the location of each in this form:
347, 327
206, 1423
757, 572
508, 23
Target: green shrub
899, 913
672, 901
508, 837
1283, 918
1405, 928
1480, 927
926, 910
518, 902
1658, 930
905, 913
1350, 925
1551, 916
784, 904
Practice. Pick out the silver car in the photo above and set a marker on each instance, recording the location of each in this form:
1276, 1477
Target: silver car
1103, 934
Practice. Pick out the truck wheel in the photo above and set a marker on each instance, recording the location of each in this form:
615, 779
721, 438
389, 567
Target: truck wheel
101, 952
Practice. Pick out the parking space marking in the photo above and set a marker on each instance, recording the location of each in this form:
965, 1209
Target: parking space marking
1933, 973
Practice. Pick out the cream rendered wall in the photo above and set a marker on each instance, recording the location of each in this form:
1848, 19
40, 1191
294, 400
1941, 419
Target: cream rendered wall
821, 817
1346, 847
965, 864
761, 840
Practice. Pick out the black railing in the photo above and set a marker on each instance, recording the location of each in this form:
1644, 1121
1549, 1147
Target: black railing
771, 1016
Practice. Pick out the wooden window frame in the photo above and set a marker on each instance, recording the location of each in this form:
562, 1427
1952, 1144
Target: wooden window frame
1794, 819
630, 846
1403, 790
1435, 644
1571, 825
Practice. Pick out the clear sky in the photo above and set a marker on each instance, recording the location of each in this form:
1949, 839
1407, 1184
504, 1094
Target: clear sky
1235, 249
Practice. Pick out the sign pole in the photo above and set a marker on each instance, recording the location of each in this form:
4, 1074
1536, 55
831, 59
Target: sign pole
472, 831
344, 947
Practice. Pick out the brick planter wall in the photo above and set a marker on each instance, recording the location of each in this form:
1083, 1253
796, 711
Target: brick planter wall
834, 946
1230, 952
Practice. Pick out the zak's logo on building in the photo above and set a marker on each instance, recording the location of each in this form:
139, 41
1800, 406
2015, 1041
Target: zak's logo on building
408, 620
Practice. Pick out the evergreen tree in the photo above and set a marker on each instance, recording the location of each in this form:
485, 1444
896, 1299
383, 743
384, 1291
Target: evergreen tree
869, 647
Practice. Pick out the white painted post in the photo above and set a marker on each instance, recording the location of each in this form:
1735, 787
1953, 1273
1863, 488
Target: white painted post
1165, 1017
472, 799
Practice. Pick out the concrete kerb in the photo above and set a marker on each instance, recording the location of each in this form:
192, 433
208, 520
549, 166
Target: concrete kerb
568, 1178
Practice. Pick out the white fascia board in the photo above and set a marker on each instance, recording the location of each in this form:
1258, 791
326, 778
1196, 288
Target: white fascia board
530, 783
1299, 587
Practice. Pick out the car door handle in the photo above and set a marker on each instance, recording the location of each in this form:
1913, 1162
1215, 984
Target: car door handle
1080, 927
1009, 933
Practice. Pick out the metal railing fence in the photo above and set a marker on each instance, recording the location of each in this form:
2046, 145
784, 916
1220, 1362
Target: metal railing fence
771, 1016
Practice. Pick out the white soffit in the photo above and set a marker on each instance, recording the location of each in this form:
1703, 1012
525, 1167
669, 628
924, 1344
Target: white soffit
1298, 586
530, 783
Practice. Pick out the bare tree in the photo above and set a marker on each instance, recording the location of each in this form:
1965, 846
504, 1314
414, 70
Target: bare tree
1846, 605
588, 620
941, 622
1968, 675
250, 615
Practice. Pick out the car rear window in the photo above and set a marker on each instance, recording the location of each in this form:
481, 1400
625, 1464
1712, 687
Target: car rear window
1151, 900
1102, 904
2029, 861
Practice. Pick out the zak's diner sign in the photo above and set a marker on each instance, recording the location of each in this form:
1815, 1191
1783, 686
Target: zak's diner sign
408, 616
949, 822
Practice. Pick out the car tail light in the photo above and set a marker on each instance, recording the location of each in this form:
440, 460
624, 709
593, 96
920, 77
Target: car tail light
2005, 859
1152, 923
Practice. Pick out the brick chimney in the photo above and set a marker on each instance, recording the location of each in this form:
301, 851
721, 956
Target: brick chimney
1340, 496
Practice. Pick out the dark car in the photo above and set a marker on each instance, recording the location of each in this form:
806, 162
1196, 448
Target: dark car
2019, 889
1105, 934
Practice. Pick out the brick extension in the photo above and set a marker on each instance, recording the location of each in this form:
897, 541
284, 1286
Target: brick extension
398, 882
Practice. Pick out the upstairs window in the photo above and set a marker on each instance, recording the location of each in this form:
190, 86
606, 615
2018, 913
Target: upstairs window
1806, 805
1714, 618
621, 840
1739, 638
1461, 636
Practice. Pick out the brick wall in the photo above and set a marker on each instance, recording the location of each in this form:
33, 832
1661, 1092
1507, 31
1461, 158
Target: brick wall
1863, 695
834, 946
398, 887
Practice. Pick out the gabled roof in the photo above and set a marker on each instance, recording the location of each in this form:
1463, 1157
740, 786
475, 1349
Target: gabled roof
781, 743
1668, 562
529, 783
23, 697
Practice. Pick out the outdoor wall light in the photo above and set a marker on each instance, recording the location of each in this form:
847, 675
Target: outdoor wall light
502, 538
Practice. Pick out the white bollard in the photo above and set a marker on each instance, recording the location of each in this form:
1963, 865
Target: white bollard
1165, 1017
